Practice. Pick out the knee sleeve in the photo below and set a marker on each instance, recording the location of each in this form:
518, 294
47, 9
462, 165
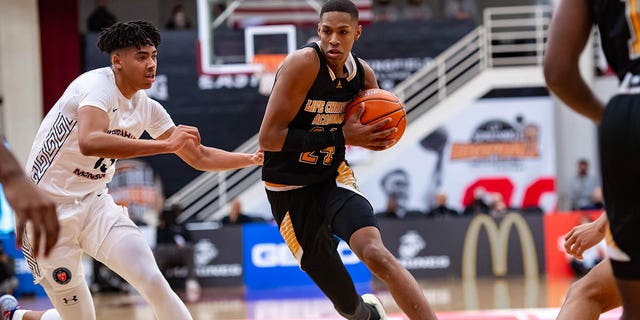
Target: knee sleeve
128, 254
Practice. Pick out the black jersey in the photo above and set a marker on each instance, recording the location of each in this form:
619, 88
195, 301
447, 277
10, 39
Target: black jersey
322, 110
619, 26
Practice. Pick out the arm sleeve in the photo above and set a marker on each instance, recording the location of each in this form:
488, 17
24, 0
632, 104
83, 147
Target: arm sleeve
299, 140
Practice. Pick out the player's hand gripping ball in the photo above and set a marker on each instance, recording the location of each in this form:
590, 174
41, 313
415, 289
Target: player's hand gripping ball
379, 105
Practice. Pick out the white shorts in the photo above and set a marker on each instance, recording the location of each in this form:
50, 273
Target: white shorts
83, 228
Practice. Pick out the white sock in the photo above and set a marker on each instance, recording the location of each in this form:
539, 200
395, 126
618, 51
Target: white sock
50, 314
17, 315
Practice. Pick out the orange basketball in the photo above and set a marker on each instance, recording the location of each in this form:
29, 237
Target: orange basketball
379, 105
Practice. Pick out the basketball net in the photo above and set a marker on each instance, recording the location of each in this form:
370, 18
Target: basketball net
270, 63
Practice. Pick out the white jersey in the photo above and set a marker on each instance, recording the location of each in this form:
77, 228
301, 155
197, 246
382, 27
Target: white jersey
55, 162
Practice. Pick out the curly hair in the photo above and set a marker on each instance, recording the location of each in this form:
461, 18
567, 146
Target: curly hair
340, 6
122, 35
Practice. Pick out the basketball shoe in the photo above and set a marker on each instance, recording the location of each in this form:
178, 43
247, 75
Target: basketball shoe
377, 311
8, 304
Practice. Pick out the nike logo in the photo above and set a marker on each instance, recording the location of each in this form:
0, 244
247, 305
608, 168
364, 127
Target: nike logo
115, 109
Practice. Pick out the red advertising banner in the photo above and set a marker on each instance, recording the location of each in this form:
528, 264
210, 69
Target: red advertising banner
556, 226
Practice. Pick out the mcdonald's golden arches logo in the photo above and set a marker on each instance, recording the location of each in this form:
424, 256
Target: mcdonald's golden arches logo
498, 243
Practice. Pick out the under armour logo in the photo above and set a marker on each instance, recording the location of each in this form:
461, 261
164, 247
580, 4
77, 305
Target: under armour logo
73, 300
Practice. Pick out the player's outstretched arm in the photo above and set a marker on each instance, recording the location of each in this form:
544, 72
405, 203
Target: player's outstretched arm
29, 203
585, 236
94, 140
212, 159
568, 35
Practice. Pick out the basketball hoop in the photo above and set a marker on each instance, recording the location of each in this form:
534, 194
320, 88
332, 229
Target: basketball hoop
270, 64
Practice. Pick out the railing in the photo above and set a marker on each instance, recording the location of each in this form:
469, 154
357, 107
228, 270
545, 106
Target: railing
516, 36
210, 191
510, 37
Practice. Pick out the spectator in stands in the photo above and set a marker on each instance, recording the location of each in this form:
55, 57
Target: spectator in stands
385, 11
460, 9
395, 184
478, 205
179, 19
441, 209
100, 18
497, 207
391, 211
8, 280
582, 188
416, 10
597, 200
236, 216
590, 257
174, 248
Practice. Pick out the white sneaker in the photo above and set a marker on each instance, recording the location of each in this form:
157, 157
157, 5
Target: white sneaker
192, 289
373, 301
8, 304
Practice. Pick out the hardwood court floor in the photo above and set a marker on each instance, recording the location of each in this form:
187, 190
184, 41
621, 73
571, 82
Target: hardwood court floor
451, 298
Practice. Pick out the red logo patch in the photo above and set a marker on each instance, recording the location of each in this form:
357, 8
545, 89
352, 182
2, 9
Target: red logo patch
62, 275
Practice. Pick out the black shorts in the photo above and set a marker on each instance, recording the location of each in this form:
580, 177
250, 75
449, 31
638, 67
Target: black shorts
311, 217
620, 163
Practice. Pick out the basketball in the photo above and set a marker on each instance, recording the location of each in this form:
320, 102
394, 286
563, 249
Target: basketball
378, 105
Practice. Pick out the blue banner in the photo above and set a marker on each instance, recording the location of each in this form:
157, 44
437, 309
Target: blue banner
23, 273
268, 262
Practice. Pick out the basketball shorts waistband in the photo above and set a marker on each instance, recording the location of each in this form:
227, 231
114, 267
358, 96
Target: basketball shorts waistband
280, 187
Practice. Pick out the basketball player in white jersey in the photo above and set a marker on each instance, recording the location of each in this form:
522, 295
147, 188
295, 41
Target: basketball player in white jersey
99, 119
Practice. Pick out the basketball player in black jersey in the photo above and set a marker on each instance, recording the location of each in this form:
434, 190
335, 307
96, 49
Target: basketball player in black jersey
619, 25
310, 187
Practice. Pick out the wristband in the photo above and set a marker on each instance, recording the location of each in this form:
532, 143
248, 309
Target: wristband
300, 141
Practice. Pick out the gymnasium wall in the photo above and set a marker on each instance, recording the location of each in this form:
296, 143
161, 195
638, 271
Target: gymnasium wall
21, 74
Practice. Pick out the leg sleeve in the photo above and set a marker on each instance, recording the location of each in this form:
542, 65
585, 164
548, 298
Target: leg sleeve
72, 303
128, 254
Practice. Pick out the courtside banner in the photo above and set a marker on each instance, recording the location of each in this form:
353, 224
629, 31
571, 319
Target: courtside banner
268, 262
511, 245
499, 145
556, 227
468, 246
217, 255
427, 248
